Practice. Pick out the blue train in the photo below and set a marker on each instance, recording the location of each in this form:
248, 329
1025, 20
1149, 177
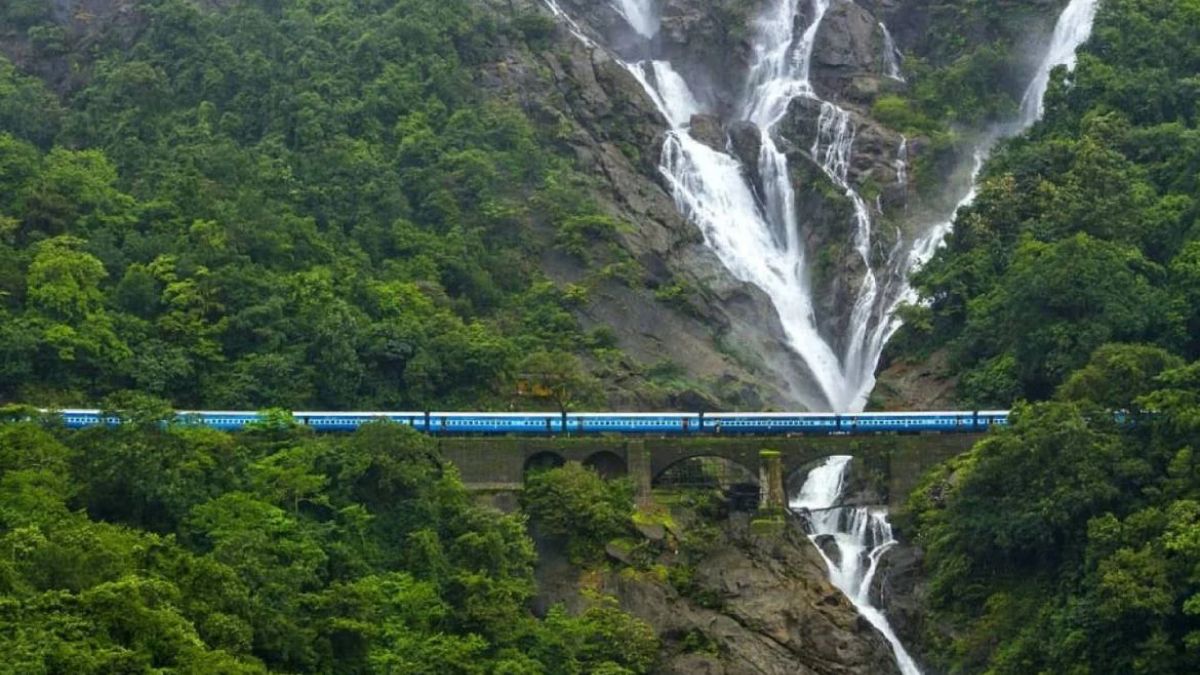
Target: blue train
544, 424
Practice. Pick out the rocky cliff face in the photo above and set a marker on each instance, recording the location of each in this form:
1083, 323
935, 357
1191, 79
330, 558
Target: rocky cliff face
617, 133
751, 603
684, 307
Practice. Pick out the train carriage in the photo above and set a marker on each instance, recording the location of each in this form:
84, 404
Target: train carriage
770, 423
349, 421
495, 423
633, 423
77, 419
553, 423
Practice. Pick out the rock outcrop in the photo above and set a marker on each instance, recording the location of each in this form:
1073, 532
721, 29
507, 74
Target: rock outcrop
753, 604
899, 587
848, 55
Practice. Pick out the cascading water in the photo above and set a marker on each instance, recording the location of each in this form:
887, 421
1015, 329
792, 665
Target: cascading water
1073, 28
758, 240
860, 535
757, 237
640, 16
902, 163
755, 233
891, 55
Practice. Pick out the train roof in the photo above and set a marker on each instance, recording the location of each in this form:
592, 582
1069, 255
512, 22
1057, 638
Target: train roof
417, 413
515, 413
769, 414
632, 414
331, 413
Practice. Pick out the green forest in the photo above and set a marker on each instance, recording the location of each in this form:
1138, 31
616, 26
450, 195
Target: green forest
290, 204
1071, 542
1084, 231
285, 205
145, 548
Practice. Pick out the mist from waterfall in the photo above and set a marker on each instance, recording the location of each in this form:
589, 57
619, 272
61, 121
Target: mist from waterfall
640, 16
859, 535
756, 233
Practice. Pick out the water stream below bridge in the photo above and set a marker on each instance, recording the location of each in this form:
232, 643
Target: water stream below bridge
851, 539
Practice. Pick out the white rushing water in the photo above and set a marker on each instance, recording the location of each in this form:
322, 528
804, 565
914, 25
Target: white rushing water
640, 16
860, 535
755, 230
902, 163
1073, 28
891, 55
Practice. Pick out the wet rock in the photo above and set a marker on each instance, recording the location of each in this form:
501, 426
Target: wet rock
846, 39
848, 54
768, 608
654, 532
829, 547
707, 130
709, 40
899, 587
745, 142
620, 550
693, 664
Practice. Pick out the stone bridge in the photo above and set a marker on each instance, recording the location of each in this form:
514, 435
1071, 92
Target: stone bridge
893, 462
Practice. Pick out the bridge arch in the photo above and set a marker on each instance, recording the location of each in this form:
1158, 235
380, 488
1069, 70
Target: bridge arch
541, 461
705, 470
866, 479
607, 463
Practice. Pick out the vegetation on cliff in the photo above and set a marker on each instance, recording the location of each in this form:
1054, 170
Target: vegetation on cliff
278, 204
1084, 231
181, 549
1069, 543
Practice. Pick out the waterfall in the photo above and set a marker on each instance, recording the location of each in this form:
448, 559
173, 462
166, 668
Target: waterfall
640, 16
860, 534
756, 233
1072, 29
891, 55
902, 163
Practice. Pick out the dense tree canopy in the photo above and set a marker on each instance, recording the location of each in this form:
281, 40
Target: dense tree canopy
1084, 231
285, 204
1068, 543
190, 550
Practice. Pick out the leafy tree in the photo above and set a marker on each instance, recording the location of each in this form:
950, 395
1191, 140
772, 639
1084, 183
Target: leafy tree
1065, 543
558, 377
575, 503
1082, 229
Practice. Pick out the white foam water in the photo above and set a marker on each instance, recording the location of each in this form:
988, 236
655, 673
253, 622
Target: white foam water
891, 55
861, 536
